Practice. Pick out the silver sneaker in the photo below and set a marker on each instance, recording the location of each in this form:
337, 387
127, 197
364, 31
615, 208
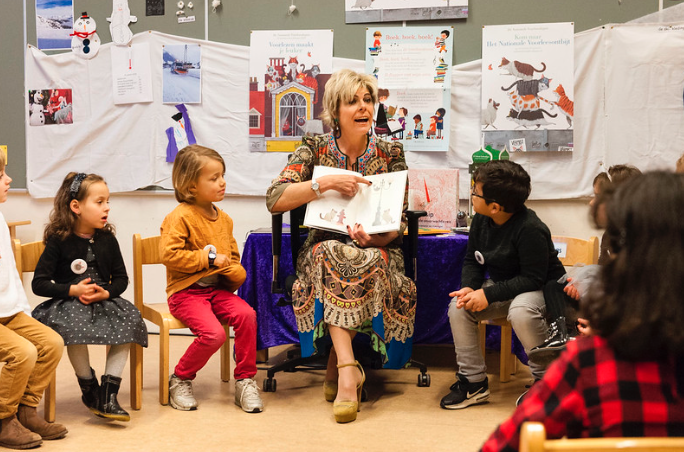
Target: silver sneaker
180, 394
247, 396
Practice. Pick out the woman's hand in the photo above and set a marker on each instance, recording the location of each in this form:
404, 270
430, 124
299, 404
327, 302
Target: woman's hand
346, 185
364, 240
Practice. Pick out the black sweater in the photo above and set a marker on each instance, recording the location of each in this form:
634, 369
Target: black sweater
519, 256
53, 276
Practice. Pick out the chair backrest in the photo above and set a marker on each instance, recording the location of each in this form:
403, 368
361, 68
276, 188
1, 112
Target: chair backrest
27, 255
145, 252
573, 251
533, 439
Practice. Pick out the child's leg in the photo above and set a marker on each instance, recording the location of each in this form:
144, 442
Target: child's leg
229, 308
80, 360
554, 298
116, 359
20, 357
193, 307
46, 344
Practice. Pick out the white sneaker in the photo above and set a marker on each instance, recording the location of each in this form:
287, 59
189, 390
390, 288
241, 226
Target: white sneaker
247, 396
180, 394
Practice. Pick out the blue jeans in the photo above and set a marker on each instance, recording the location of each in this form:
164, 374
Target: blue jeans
526, 312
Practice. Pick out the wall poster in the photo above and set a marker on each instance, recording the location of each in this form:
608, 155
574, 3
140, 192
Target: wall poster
412, 65
362, 11
288, 70
528, 86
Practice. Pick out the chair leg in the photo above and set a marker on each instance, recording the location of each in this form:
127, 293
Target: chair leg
136, 376
164, 364
225, 356
505, 359
49, 399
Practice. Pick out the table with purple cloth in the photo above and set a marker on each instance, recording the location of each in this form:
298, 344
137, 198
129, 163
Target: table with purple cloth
440, 260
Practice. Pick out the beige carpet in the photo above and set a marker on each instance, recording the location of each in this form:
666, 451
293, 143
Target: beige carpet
399, 415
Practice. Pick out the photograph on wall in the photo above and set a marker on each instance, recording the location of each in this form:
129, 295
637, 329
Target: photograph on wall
49, 106
287, 75
528, 86
54, 24
364, 11
182, 74
412, 65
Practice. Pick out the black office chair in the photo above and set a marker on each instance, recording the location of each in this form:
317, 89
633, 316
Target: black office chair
318, 361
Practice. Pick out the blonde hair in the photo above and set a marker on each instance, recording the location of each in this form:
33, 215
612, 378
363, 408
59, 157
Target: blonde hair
187, 168
342, 87
3, 162
680, 165
62, 218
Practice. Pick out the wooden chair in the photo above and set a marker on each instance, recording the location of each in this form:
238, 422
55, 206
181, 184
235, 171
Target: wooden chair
571, 251
533, 439
147, 252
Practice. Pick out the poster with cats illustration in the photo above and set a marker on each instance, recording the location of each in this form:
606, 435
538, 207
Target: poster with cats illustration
288, 70
413, 68
528, 86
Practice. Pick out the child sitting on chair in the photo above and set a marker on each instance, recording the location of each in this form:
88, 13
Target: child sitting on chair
202, 271
30, 350
628, 378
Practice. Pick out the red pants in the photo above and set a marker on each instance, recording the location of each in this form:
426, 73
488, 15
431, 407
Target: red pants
204, 310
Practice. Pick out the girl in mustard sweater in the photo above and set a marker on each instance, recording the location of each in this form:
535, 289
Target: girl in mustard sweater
202, 271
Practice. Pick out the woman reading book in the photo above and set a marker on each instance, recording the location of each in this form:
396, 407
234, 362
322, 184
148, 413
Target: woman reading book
348, 283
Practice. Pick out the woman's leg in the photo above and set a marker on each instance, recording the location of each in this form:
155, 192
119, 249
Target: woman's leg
349, 377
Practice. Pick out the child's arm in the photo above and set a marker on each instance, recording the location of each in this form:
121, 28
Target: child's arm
174, 236
233, 272
43, 283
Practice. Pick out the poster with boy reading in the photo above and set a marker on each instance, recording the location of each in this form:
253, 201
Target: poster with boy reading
413, 68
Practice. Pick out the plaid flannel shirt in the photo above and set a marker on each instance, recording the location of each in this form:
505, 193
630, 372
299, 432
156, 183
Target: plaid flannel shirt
589, 392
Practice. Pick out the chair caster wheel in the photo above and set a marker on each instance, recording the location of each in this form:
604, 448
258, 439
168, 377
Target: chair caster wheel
423, 380
270, 385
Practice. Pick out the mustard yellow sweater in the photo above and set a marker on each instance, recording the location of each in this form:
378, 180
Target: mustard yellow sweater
184, 234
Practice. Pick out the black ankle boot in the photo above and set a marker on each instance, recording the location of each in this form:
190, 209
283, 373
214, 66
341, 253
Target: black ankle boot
548, 351
109, 406
90, 391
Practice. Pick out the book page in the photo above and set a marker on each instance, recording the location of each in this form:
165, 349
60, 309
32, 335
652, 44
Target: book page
378, 207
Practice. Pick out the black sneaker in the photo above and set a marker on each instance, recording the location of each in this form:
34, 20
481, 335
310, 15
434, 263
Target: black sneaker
551, 349
519, 400
463, 394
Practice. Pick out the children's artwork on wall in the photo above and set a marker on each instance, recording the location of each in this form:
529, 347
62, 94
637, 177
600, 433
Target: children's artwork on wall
180, 135
131, 74
118, 22
54, 23
85, 42
287, 75
182, 74
49, 106
359, 11
414, 79
154, 7
528, 86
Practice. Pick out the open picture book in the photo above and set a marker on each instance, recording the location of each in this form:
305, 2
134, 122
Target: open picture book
377, 207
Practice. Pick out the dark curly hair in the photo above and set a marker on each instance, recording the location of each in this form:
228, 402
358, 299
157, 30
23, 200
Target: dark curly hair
639, 307
504, 182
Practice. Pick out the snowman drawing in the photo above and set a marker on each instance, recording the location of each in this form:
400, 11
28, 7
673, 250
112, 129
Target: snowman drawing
85, 42
37, 117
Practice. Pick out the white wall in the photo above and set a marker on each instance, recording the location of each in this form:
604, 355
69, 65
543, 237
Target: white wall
143, 213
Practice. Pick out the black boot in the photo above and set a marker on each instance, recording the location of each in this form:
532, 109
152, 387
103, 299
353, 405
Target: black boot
90, 391
109, 406
550, 350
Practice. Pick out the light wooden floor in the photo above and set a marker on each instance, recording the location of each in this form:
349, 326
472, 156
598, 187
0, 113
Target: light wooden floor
398, 416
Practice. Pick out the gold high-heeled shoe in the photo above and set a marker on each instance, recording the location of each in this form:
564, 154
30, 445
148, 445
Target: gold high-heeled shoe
345, 410
330, 390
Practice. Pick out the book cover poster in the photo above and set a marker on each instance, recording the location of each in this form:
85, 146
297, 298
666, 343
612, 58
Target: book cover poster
288, 70
413, 68
528, 86
360, 11
436, 192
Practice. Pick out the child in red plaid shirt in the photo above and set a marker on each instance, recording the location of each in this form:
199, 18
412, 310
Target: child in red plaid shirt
628, 379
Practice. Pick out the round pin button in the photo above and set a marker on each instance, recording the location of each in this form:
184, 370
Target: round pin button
79, 266
479, 258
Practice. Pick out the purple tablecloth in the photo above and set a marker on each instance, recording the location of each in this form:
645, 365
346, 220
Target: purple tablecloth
440, 259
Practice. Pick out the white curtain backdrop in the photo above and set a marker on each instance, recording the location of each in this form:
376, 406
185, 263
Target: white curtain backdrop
629, 82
